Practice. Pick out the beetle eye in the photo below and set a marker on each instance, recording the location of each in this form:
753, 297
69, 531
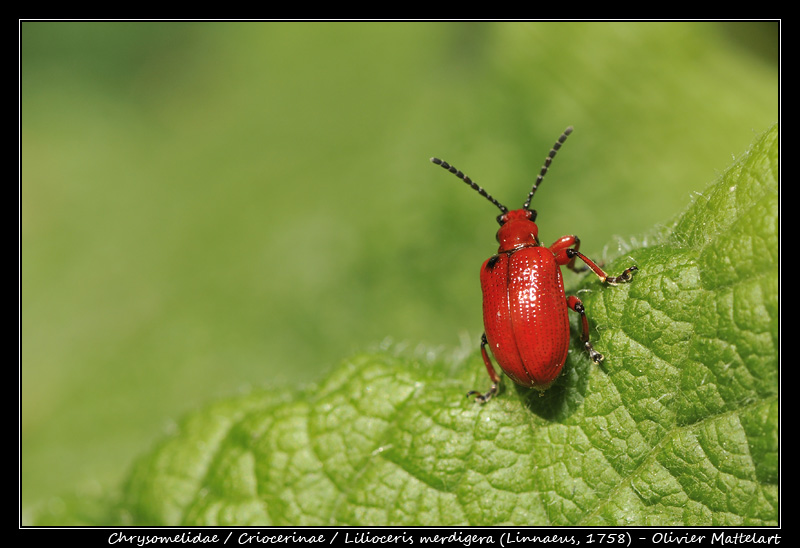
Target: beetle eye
532, 215
501, 219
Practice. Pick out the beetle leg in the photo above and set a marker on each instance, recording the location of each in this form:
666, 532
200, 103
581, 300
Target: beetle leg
483, 398
575, 304
573, 253
559, 249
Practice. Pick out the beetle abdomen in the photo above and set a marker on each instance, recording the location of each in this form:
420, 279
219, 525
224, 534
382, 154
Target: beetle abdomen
525, 315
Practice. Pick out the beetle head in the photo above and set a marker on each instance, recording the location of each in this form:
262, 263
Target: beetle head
517, 229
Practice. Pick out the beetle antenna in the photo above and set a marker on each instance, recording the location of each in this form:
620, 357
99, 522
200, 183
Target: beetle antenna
470, 182
546, 166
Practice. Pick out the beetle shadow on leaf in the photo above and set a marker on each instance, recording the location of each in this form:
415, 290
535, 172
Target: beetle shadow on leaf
563, 398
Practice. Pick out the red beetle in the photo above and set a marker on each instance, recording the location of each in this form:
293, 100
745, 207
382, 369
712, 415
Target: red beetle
524, 304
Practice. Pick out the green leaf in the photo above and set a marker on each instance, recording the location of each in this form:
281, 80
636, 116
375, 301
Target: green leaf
679, 426
206, 207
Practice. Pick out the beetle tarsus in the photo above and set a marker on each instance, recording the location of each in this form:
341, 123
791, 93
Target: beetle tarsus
596, 356
626, 276
483, 398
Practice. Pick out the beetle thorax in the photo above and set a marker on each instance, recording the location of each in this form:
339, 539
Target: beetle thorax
518, 230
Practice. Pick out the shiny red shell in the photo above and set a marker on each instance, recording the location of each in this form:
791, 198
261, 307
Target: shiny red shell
524, 305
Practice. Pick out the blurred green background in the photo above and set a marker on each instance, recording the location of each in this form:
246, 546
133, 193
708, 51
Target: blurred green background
207, 207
